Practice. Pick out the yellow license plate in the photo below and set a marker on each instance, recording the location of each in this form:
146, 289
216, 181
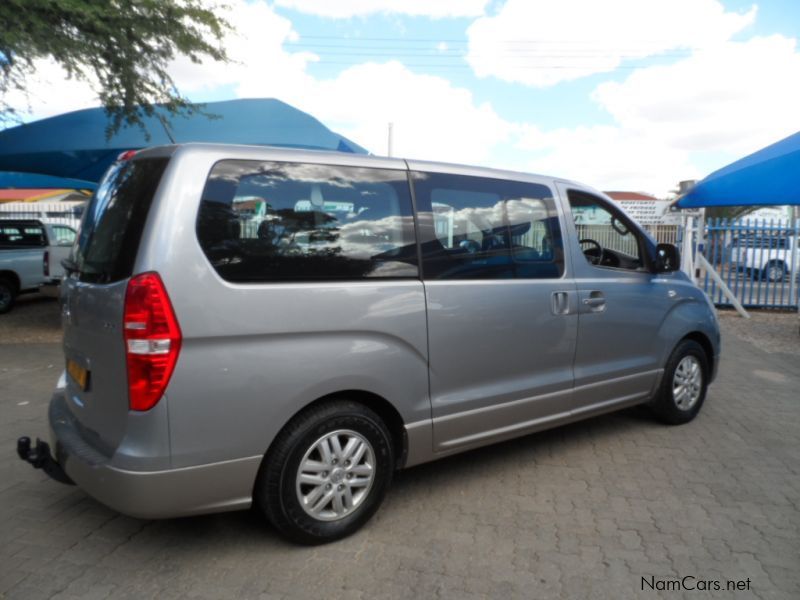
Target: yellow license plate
78, 374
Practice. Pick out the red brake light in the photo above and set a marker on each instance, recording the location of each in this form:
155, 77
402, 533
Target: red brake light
127, 155
46, 263
152, 340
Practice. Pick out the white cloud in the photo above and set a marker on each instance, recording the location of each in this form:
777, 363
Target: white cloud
725, 96
607, 157
432, 118
50, 92
345, 9
736, 96
255, 47
541, 43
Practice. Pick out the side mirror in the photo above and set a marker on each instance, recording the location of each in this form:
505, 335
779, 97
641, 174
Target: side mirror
668, 258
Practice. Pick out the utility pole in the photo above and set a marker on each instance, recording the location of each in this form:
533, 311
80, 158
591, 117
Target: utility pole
391, 140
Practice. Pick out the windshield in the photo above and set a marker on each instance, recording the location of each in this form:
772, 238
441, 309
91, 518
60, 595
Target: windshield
114, 219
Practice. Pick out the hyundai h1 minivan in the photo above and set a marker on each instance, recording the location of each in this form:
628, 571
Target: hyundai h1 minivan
285, 328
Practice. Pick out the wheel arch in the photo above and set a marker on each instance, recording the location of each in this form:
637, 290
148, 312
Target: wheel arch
702, 339
12, 277
383, 407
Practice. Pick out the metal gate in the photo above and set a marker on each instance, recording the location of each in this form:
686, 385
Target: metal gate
756, 258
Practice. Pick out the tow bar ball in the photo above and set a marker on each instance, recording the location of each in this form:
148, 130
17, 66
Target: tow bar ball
40, 458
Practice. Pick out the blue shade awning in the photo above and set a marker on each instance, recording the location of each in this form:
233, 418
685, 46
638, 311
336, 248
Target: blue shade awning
74, 145
27, 181
769, 177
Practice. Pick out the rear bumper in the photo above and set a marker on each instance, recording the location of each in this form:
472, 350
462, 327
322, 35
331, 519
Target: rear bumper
51, 288
207, 488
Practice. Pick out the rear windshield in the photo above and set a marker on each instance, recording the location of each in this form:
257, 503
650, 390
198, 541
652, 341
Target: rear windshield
112, 225
21, 234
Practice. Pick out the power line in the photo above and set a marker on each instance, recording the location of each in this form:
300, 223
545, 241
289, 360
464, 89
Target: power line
599, 42
460, 54
466, 66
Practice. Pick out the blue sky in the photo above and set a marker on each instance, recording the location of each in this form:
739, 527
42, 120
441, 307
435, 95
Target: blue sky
620, 94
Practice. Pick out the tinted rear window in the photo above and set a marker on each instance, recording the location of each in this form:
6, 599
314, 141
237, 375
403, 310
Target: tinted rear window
20, 234
112, 226
275, 221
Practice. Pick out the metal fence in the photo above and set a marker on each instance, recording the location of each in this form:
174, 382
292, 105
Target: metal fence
56, 213
607, 237
756, 258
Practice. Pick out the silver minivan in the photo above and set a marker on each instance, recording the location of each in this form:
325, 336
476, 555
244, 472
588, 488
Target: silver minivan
286, 328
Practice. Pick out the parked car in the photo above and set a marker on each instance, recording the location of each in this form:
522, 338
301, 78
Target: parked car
766, 256
387, 314
30, 256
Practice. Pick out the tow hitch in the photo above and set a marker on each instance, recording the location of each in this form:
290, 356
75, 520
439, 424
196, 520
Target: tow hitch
39, 456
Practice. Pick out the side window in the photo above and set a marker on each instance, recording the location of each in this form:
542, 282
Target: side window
274, 221
480, 228
64, 235
607, 237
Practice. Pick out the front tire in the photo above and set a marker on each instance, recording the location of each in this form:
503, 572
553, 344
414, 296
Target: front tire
326, 473
683, 386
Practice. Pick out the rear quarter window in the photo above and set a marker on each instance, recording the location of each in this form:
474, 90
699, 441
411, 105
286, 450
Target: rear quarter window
275, 221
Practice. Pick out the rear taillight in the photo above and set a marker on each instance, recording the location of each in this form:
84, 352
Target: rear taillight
152, 340
46, 263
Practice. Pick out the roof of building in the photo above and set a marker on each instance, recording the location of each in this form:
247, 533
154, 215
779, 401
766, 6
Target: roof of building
630, 196
28, 195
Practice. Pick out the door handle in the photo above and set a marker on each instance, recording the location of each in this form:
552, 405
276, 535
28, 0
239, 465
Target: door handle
595, 302
560, 303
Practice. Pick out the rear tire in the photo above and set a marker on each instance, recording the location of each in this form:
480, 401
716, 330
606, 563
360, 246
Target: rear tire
683, 385
326, 473
8, 295
775, 271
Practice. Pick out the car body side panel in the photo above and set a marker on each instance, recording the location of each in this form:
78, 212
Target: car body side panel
253, 355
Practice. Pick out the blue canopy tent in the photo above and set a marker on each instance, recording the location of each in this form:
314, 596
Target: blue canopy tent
770, 176
12, 180
74, 145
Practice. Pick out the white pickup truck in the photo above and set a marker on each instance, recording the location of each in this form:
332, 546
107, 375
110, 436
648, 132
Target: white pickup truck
30, 256
768, 257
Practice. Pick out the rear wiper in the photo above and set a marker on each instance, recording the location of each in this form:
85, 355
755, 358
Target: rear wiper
69, 265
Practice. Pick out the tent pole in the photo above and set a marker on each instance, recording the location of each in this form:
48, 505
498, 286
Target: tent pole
687, 262
726, 291
794, 257
700, 243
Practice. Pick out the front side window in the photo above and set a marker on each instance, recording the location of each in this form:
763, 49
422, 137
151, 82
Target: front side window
275, 221
480, 228
607, 238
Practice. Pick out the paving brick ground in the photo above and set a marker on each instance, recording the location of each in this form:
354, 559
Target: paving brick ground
584, 511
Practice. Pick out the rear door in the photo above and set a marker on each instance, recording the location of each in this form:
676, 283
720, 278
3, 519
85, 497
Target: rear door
501, 307
93, 297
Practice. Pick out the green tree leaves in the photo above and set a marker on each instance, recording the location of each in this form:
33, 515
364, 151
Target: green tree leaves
125, 46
